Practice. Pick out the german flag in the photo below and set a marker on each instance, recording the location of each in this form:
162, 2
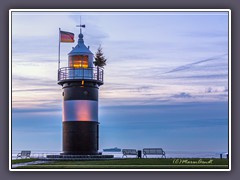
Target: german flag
66, 36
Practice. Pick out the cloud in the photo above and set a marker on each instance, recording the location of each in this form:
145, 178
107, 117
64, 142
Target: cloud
188, 66
216, 89
208, 76
182, 95
36, 21
33, 90
36, 110
207, 34
135, 72
34, 81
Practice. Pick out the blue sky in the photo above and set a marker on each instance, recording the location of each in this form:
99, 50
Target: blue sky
165, 83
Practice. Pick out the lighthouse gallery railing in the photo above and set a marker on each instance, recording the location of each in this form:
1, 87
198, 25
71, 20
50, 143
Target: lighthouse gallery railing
67, 73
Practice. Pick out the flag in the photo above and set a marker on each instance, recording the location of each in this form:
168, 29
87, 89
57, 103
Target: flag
66, 36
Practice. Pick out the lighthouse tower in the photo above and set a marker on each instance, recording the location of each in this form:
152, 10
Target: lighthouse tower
80, 83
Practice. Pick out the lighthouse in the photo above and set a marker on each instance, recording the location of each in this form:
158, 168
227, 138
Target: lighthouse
80, 82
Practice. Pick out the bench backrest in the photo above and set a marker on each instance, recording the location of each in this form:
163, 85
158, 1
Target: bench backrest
153, 151
129, 151
25, 153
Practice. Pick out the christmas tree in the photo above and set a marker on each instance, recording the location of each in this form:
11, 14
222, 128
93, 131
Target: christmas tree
100, 60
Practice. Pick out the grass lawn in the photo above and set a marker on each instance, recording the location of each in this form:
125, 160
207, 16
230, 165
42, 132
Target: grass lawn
16, 161
132, 163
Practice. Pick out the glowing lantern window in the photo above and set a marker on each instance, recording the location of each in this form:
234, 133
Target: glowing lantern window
78, 61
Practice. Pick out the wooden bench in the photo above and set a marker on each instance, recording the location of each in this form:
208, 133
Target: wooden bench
129, 152
23, 154
153, 151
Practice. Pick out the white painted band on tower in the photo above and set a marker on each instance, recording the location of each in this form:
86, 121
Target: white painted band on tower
80, 110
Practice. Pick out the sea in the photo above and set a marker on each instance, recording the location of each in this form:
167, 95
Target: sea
169, 154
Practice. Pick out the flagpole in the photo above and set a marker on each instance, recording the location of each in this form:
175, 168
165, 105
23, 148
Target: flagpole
59, 49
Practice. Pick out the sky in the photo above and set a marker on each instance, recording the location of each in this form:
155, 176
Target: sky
165, 83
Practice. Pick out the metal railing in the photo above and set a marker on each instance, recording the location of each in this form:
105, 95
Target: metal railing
67, 73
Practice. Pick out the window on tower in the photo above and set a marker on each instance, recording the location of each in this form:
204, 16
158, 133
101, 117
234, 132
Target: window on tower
78, 61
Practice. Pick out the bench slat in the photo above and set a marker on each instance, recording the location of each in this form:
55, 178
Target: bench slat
153, 151
129, 152
24, 154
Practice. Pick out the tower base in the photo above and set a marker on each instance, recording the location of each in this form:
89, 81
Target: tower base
80, 138
77, 157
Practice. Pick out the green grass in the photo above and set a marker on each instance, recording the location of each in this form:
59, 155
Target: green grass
133, 164
16, 161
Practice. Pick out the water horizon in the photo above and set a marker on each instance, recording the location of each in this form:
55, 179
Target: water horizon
169, 154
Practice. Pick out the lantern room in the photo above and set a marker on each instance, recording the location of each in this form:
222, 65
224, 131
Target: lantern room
78, 61
80, 65
80, 56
